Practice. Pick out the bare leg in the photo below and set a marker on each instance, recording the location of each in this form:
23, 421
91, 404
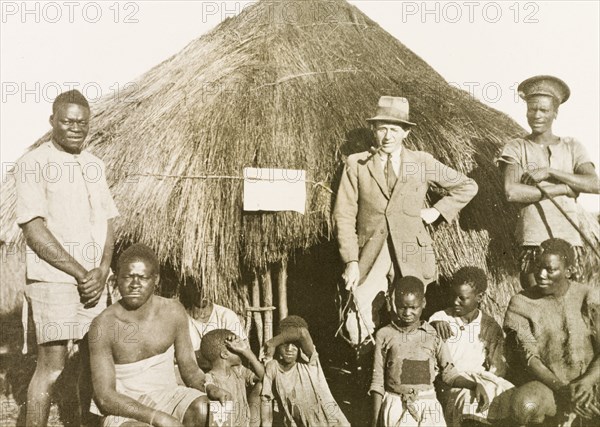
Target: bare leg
51, 359
84, 383
197, 414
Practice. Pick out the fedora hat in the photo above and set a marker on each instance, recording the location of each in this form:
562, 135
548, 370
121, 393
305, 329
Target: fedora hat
544, 85
392, 109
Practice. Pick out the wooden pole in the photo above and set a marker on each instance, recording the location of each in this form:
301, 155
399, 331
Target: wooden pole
248, 318
267, 291
282, 290
256, 302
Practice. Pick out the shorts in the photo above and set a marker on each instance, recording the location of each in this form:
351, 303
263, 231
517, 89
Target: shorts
57, 312
394, 412
174, 402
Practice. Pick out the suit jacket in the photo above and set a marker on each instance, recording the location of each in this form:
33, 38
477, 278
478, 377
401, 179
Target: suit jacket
365, 214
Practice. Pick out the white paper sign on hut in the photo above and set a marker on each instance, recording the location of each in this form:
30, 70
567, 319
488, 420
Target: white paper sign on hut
269, 189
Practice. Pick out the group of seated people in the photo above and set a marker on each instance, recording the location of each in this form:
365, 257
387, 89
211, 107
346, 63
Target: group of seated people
551, 353
138, 345
455, 369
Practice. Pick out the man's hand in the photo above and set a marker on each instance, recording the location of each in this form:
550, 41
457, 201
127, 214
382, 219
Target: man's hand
351, 275
443, 329
269, 349
162, 419
215, 393
91, 286
482, 397
589, 410
571, 193
535, 176
581, 394
429, 215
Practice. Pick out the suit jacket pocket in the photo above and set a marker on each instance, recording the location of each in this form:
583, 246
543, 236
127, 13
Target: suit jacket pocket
427, 255
411, 205
424, 239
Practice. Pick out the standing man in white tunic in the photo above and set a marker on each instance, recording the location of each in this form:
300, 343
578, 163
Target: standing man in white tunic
65, 210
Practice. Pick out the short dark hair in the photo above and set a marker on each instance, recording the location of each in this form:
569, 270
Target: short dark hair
213, 343
292, 321
559, 247
70, 97
139, 251
473, 276
408, 285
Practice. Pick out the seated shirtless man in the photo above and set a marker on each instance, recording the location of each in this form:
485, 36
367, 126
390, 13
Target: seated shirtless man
132, 346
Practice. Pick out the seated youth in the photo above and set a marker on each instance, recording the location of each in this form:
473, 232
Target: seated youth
553, 338
476, 345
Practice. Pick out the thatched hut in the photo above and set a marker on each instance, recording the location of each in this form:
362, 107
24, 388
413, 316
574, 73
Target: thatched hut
288, 85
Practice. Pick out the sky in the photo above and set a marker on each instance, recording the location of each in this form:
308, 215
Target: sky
484, 47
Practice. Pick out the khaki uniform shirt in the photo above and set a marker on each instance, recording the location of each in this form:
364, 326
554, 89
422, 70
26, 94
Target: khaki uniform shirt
541, 220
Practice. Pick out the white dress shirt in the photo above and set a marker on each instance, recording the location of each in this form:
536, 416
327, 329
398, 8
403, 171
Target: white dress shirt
395, 160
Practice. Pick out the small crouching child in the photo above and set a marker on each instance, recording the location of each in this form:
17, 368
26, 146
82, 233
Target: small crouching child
296, 380
223, 349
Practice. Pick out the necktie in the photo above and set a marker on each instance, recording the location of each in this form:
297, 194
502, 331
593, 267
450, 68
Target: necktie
390, 175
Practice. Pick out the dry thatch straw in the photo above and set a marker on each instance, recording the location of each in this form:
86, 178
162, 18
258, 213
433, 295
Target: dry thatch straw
286, 84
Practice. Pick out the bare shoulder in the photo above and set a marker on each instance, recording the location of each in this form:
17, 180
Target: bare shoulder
103, 322
171, 310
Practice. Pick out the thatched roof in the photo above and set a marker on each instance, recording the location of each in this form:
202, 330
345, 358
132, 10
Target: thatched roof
285, 84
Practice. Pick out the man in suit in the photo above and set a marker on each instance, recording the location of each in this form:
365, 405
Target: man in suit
380, 214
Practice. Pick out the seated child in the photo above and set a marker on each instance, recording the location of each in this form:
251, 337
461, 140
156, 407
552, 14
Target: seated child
408, 355
553, 336
296, 380
204, 316
476, 345
222, 348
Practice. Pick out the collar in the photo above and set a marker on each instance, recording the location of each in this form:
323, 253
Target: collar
50, 145
476, 320
395, 155
423, 325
